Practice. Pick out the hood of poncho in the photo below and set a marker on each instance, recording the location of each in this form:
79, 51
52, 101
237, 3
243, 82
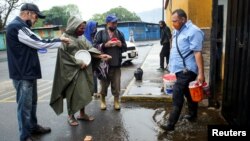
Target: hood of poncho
72, 24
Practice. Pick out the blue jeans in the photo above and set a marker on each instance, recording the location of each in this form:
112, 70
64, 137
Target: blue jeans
26, 98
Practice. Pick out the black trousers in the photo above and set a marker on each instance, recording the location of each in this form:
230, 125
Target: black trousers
180, 89
165, 51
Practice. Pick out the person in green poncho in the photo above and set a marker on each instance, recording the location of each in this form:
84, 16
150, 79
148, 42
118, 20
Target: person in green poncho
73, 78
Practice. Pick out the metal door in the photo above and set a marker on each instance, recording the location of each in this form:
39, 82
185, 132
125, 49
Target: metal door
236, 90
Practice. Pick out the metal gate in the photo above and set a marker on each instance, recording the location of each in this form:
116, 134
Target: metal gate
236, 90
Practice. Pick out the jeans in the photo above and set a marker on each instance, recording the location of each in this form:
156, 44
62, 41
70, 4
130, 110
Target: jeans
26, 98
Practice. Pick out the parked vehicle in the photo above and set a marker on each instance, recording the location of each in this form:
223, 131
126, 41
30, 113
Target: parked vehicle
130, 54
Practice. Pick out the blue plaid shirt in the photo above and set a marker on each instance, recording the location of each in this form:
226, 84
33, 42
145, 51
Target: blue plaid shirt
190, 38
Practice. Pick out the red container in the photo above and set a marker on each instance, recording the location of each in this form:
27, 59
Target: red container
114, 39
196, 91
206, 89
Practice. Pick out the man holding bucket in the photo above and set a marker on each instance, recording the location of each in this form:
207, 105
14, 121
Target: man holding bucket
186, 62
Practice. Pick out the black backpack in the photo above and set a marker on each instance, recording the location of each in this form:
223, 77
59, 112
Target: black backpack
138, 74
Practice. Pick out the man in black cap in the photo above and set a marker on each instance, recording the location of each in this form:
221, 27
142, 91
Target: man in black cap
34, 8
24, 67
112, 42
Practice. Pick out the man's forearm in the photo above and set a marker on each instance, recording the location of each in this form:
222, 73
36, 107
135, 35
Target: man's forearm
199, 62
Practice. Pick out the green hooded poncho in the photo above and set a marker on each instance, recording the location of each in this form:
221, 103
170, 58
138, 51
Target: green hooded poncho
70, 81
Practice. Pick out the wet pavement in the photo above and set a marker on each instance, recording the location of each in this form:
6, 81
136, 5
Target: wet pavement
143, 105
150, 89
134, 122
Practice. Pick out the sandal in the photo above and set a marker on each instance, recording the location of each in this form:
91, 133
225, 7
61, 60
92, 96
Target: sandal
85, 117
72, 121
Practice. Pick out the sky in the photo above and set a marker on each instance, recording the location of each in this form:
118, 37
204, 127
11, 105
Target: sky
90, 7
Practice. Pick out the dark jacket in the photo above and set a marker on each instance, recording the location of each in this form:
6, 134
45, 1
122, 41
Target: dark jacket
102, 37
165, 34
22, 46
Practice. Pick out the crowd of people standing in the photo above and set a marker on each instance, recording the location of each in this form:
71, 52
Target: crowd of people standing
76, 81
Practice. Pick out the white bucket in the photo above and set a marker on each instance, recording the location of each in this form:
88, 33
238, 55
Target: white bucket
168, 84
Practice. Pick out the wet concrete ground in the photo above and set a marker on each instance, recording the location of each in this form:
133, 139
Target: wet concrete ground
136, 121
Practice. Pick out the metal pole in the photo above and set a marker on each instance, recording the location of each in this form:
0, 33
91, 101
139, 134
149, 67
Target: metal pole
213, 98
163, 10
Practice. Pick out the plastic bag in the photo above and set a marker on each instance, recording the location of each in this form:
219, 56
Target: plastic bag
102, 70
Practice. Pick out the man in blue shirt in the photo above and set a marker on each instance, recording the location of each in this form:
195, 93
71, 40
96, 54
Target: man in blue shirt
186, 62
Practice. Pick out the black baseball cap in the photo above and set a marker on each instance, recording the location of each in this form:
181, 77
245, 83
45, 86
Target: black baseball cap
34, 8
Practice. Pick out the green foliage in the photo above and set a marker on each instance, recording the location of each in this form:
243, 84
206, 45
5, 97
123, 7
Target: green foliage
122, 13
56, 16
59, 15
39, 23
99, 18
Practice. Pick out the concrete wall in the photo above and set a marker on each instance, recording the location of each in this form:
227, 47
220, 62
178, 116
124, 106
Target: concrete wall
2, 41
206, 51
53, 32
200, 12
48, 33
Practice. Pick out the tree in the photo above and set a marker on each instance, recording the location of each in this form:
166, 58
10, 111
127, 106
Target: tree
122, 13
59, 15
99, 18
6, 7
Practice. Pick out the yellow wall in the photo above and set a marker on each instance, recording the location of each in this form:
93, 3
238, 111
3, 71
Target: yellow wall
199, 11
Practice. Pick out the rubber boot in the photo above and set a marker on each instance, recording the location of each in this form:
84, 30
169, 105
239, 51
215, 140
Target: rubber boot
117, 103
103, 103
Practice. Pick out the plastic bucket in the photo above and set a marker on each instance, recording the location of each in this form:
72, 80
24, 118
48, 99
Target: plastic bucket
206, 90
196, 91
168, 83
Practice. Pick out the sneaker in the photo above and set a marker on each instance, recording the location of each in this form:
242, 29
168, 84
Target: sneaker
160, 69
41, 130
167, 127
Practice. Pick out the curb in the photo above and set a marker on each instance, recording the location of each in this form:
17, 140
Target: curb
144, 98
